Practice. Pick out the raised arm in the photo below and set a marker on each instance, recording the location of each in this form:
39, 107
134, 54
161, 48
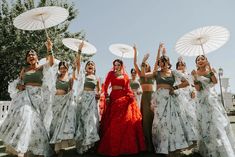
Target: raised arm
154, 72
160, 48
50, 55
137, 69
143, 65
71, 80
74, 71
212, 74
78, 57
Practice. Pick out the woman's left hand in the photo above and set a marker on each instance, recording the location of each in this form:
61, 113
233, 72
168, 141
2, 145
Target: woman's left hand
97, 96
146, 56
171, 92
193, 94
49, 44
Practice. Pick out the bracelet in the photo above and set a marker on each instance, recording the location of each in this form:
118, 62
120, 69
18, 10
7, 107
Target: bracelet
196, 82
106, 96
143, 64
175, 87
50, 52
79, 51
20, 82
212, 73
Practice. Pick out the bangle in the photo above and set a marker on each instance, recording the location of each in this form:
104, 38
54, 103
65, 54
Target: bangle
143, 64
175, 87
50, 52
21, 82
106, 96
211, 73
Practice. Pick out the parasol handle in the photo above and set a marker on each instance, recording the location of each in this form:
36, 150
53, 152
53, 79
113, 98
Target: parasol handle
203, 51
43, 22
122, 55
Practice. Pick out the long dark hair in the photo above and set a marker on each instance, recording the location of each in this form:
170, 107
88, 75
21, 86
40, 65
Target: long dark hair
180, 62
200, 56
165, 59
132, 70
88, 62
27, 53
149, 67
119, 61
63, 63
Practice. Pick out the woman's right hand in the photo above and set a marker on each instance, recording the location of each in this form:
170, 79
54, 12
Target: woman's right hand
81, 46
194, 73
21, 87
49, 44
193, 94
107, 100
146, 56
161, 46
171, 91
135, 49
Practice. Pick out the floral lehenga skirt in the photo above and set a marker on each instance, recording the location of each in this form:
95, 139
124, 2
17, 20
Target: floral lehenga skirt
171, 129
23, 129
216, 135
87, 122
63, 125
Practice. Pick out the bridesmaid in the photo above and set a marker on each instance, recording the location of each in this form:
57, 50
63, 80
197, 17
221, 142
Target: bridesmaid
171, 129
135, 86
24, 129
188, 93
216, 135
87, 107
147, 113
62, 128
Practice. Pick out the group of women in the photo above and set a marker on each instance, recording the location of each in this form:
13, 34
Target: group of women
52, 110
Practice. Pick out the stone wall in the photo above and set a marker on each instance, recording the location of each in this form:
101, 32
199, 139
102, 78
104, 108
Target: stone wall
4, 107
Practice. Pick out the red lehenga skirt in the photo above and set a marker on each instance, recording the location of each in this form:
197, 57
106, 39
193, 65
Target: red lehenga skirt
121, 126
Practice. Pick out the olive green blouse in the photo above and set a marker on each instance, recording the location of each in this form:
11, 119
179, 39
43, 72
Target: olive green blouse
134, 84
90, 83
33, 76
145, 80
165, 80
63, 85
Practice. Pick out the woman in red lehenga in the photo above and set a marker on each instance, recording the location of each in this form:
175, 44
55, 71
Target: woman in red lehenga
121, 126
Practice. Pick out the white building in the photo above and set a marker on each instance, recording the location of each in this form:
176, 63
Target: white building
227, 95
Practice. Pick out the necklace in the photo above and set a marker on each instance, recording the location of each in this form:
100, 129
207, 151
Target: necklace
118, 73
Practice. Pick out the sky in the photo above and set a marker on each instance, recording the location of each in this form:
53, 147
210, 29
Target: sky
146, 23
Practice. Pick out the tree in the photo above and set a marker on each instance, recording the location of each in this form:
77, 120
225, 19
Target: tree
14, 42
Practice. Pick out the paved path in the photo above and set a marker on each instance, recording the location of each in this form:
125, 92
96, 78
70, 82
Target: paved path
72, 152
232, 121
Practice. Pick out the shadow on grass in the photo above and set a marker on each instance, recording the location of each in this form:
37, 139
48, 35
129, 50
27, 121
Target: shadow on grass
73, 153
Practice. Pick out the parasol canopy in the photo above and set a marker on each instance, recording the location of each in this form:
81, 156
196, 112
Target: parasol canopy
41, 18
73, 44
122, 50
202, 41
